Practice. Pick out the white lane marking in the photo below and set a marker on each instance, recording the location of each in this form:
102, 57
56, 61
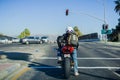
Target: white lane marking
48, 58
99, 67
116, 74
53, 67
83, 58
101, 58
44, 67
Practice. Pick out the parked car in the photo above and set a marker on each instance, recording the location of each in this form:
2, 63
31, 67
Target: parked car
4, 40
15, 40
44, 39
30, 40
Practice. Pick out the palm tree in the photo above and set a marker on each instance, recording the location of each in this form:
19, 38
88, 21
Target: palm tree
117, 7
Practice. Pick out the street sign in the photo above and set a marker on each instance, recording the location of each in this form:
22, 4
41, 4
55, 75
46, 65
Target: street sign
106, 31
103, 31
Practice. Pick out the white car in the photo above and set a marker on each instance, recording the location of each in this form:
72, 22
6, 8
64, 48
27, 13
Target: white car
4, 40
44, 39
15, 40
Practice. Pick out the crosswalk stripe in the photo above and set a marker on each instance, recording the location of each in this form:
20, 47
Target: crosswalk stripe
85, 58
53, 67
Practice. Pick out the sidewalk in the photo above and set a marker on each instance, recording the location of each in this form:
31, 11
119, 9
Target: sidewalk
111, 43
114, 43
7, 68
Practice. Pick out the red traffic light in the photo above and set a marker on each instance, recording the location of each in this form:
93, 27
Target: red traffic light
105, 26
67, 11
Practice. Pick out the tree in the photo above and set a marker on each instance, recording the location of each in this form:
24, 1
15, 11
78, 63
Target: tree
27, 32
117, 7
118, 30
1, 34
77, 31
24, 33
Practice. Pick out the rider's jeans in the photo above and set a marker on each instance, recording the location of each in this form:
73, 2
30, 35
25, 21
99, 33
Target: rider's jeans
74, 55
59, 52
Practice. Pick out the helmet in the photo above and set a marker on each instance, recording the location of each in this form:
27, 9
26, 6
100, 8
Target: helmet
69, 29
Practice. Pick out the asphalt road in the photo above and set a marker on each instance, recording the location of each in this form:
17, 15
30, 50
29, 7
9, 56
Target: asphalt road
96, 61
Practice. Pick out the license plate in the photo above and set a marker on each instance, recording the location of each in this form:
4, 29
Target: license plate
66, 55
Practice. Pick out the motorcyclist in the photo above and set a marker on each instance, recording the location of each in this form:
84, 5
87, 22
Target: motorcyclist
69, 31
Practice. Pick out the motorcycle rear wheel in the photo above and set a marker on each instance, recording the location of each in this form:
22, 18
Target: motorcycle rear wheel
67, 67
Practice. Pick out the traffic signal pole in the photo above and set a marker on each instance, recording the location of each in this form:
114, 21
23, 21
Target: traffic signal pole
106, 26
103, 20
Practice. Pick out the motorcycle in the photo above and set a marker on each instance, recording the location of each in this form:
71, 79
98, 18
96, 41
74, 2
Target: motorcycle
67, 60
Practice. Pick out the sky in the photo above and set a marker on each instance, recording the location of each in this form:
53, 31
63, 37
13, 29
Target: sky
48, 16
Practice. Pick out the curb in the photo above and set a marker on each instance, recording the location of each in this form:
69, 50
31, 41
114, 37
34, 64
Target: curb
19, 73
8, 70
111, 43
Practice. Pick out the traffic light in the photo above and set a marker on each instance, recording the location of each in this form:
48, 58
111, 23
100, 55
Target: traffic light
105, 26
67, 11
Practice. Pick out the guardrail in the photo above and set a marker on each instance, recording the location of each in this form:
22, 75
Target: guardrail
89, 37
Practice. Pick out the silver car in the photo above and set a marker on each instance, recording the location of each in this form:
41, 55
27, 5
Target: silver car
31, 40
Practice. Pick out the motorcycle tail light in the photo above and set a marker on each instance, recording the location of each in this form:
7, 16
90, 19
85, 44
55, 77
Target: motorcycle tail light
67, 50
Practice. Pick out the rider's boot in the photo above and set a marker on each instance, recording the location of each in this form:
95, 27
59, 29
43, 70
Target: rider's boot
59, 59
76, 74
